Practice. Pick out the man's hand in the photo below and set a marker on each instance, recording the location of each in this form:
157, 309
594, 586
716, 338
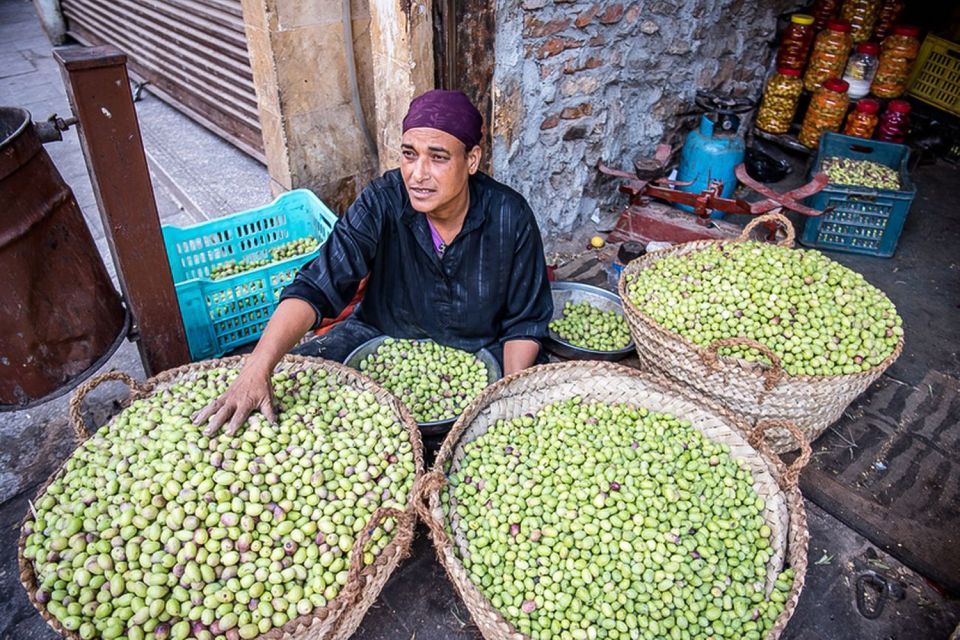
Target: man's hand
250, 391
519, 354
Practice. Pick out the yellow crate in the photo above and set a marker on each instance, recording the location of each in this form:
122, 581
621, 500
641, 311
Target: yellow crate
935, 78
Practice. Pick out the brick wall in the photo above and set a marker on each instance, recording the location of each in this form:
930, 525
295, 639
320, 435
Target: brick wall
577, 81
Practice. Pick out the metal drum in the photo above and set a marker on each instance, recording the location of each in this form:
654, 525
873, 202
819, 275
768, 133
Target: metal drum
60, 316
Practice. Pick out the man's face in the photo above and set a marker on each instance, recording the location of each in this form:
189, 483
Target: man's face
435, 169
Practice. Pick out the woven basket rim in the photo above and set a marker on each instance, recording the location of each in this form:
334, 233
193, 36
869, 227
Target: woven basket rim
398, 546
797, 527
749, 366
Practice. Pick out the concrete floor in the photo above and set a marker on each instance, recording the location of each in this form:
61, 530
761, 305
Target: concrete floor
419, 602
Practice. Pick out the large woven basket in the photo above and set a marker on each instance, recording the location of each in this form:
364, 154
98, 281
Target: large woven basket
530, 390
341, 616
751, 390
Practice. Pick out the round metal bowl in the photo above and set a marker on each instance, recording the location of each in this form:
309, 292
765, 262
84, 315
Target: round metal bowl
437, 427
564, 292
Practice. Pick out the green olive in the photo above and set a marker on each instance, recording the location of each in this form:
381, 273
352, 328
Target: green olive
435, 382
154, 530
818, 316
592, 520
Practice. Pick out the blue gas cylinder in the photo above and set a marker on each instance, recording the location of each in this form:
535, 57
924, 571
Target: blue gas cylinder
711, 152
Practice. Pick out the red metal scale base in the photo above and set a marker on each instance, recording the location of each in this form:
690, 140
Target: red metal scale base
644, 220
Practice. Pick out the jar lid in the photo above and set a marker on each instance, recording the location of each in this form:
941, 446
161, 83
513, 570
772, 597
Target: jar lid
869, 48
801, 18
786, 71
868, 105
836, 84
839, 25
906, 30
900, 106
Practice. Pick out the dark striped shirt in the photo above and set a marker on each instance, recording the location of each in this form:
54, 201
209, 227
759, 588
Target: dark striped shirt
489, 286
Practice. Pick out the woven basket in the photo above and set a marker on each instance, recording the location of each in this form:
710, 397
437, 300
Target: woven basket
530, 390
342, 615
752, 390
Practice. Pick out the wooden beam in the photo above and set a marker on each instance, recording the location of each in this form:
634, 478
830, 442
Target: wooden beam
99, 92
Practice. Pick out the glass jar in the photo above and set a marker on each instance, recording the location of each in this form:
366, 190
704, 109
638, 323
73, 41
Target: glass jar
861, 67
895, 122
796, 42
825, 113
823, 12
897, 54
862, 16
863, 119
890, 12
829, 57
779, 102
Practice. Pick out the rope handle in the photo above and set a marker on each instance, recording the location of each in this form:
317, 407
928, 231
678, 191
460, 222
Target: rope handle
137, 390
773, 374
353, 589
756, 439
784, 222
430, 483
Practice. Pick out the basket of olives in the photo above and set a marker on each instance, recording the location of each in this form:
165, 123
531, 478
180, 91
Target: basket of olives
435, 382
587, 323
591, 500
764, 329
285, 530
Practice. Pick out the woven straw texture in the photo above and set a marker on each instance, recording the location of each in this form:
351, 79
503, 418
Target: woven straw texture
341, 616
751, 390
534, 388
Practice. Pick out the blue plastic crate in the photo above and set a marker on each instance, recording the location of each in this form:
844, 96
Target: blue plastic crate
220, 315
867, 221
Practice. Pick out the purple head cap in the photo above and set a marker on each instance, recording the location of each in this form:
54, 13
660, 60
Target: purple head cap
447, 111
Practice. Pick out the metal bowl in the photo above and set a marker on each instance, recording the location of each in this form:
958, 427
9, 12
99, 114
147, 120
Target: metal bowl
437, 427
564, 292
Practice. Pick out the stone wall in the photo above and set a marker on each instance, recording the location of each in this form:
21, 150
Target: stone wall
579, 81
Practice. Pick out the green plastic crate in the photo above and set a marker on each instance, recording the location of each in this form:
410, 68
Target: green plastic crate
220, 315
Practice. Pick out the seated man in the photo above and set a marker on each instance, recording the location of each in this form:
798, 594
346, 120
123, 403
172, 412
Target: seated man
451, 255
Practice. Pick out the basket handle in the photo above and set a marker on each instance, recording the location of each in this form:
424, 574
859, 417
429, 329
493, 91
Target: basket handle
353, 587
784, 222
431, 482
774, 372
137, 390
756, 439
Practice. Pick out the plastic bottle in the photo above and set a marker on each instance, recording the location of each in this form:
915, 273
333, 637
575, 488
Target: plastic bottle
829, 56
890, 12
861, 68
823, 12
862, 16
796, 42
779, 102
897, 54
862, 121
895, 122
825, 113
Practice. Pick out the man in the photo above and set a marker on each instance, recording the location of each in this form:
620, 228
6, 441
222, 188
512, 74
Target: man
451, 255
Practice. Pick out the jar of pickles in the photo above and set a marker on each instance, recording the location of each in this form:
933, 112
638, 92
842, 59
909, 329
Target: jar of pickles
823, 12
861, 67
829, 57
796, 42
897, 54
825, 113
863, 119
890, 11
779, 102
895, 122
862, 16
